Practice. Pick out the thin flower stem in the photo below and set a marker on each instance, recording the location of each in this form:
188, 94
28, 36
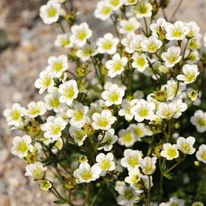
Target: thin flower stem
103, 135
175, 11
175, 165
148, 192
58, 194
146, 26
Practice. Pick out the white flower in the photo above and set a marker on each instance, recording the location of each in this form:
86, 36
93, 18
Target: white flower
53, 100
136, 43
179, 107
103, 121
166, 111
126, 109
201, 153
127, 196
190, 73
105, 162
58, 145
115, 4
172, 56
158, 26
80, 34
197, 204
126, 137
129, 2
21, 146
131, 159
143, 9
78, 135
15, 114
116, 65
63, 40
57, 65
140, 130
85, 52
199, 120
185, 145
148, 165
78, 115
127, 42
151, 45
169, 151
103, 10
45, 185
36, 109
175, 201
49, 13
109, 139
53, 127
164, 204
193, 29
145, 179
140, 62
143, 110
44, 82
35, 170
113, 96
85, 173
194, 44
128, 26
68, 91
176, 31
107, 44
173, 89
134, 176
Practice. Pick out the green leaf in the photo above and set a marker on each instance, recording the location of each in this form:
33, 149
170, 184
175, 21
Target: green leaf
169, 175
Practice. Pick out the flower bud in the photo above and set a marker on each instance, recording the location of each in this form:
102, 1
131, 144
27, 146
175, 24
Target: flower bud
89, 129
31, 158
83, 70
83, 158
34, 128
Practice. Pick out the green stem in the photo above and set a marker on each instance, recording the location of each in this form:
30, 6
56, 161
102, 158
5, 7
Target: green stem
148, 192
146, 26
175, 165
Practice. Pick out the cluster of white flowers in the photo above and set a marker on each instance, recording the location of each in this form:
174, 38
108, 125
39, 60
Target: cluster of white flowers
144, 85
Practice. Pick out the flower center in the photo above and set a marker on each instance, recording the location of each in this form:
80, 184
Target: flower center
52, 12
141, 61
70, 93
46, 82
86, 175
128, 194
114, 96
133, 161
171, 152
82, 35
79, 115
103, 122
106, 10
56, 129
15, 115
55, 102
177, 32
203, 156
22, 147
105, 164
142, 9
57, 67
117, 66
107, 45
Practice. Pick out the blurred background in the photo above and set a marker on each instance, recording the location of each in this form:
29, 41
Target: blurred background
25, 45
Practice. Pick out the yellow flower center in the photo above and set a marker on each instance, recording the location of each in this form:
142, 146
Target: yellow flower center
65, 42
173, 58
114, 2
117, 66
46, 82
129, 27
177, 32
128, 194
57, 66
171, 152
106, 10
191, 77
56, 129
139, 132
201, 122
133, 161
107, 45
152, 47
79, 115
22, 147
35, 111
79, 135
128, 137
203, 156
142, 9
55, 102
37, 172
143, 112
52, 12
103, 122
15, 115
114, 96
105, 164
86, 175
70, 93
82, 35
141, 61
